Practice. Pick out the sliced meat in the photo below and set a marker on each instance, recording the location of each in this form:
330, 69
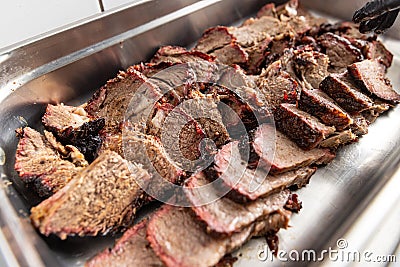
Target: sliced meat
287, 155
176, 54
277, 86
101, 198
255, 30
43, 162
132, 249
231, 54
340, 51
240, 105
302, 128
320, 105
180, 239
310, 66
341, 89
214, 38
149, 152
189, 131
73, 126
370, 76
249, 184
375, 50
224, 215
113, 101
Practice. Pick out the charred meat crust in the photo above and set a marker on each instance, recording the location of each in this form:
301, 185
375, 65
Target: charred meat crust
342, 90
320, 105
302, 128
73, 126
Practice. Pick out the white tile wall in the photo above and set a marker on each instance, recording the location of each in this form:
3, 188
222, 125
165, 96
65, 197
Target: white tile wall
22, 19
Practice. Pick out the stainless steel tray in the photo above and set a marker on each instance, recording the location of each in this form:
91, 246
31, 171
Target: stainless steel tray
354, 199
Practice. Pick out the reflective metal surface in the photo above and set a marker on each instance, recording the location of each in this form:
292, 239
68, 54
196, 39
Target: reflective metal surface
67, 66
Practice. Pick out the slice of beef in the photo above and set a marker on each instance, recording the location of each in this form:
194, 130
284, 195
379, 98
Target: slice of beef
224, 215
192, 131
132, 249
370, 76
39, 162
150, 153
320, 105
176, 54
231, 54
310, 66
101, 198
302, 128
236, 45
113, 100
254, 30
277, 86
73, 126
180, 239
342, 89
338, 139
287, 155
340, 51
214, 38
375, 50
241, 104
251, 184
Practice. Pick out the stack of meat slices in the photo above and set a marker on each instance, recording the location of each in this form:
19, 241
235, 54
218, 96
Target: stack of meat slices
322, 83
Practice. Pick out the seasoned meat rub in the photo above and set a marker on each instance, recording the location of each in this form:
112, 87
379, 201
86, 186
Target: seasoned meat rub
101, 198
